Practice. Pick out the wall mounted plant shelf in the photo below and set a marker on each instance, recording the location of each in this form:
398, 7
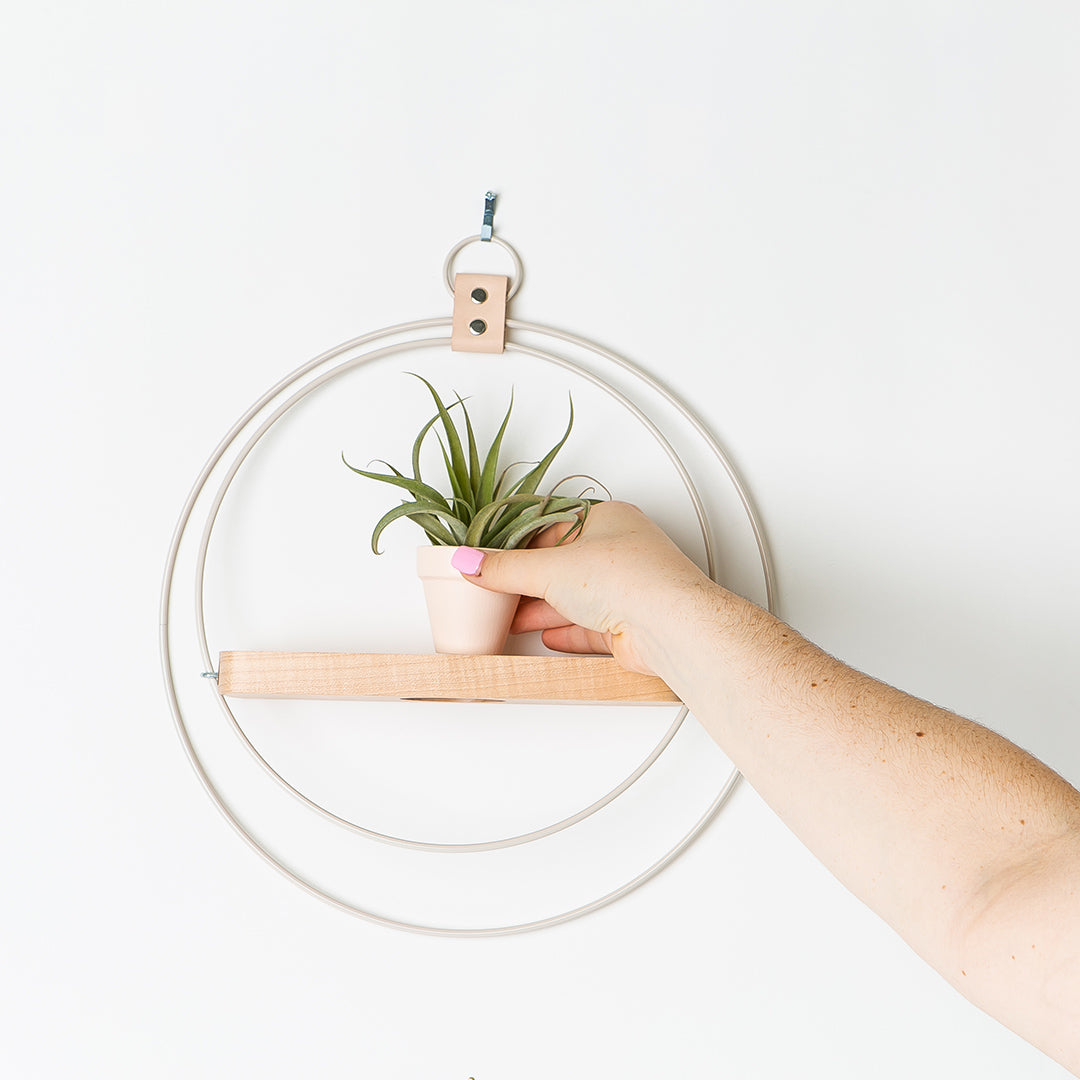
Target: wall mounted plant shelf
596, 680
479, 324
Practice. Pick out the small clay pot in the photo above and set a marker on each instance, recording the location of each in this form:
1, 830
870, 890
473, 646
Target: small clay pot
465, 619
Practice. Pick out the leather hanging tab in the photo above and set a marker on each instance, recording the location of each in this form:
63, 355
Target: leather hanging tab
479, 313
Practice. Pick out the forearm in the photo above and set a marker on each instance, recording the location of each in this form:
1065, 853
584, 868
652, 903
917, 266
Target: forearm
917, 811
966, 845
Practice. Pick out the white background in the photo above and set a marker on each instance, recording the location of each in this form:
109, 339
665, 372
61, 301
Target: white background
847, 233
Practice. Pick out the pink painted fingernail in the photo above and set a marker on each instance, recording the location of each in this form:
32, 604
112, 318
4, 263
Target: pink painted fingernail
467, 560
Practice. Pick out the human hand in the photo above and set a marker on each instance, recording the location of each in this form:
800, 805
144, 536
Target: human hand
604, 591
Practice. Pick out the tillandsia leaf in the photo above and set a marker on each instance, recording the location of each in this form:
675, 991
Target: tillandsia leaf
419, 441
504, 487
582, 476
417, 488
462, 496
515, 504
526, 529
474, 454
488, 522
379, 461
475, 533
531, 482
488, 485
454, 527
484, 507
538, 507
462, 509
519, 502
458, 467
510, 506
436, 531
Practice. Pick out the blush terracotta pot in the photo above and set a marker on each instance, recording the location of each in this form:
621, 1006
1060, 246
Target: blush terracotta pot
465, 619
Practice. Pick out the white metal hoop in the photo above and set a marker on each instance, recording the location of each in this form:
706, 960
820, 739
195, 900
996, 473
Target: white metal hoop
212, 512
226, 445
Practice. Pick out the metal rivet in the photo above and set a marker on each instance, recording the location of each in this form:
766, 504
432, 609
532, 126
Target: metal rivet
478, 295
477, 327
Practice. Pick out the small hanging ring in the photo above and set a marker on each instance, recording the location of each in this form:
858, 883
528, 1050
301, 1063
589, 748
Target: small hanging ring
448, 266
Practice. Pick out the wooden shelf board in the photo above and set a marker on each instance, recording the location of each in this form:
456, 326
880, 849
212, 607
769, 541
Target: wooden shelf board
374, 676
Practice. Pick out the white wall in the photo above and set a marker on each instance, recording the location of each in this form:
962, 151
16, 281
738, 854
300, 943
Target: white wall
846, 233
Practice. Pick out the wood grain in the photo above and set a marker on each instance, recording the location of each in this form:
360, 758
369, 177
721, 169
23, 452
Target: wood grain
577, 679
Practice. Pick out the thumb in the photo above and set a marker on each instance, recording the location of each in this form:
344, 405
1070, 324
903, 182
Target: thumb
522, 571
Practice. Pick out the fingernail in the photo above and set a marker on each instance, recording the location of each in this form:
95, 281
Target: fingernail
467, 560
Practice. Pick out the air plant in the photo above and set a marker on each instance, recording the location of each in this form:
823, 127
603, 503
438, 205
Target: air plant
485, 508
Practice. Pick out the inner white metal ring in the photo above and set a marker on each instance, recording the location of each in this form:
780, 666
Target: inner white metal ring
200, 569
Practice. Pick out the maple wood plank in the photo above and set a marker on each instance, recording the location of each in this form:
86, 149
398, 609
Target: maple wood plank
542, 679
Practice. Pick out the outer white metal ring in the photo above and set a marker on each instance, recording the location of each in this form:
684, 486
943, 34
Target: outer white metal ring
166, 597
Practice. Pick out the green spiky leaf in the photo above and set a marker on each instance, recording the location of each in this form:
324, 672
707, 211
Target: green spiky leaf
458, 467
527, 529
529, 483
488, 485
484, 506
454, 527
417, 488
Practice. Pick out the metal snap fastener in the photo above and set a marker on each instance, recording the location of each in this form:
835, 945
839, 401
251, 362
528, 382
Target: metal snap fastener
478, 295
477, 327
